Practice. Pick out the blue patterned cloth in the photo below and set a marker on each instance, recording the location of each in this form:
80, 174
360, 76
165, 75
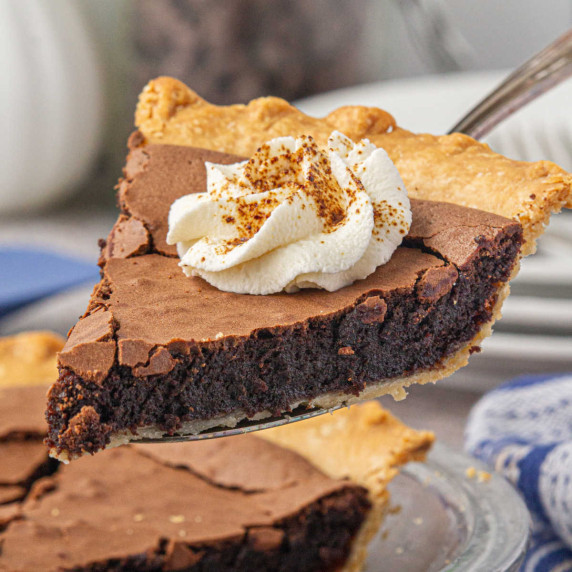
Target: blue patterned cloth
523, 429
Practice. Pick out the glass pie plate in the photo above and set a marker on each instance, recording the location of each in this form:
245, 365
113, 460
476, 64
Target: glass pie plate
451, 514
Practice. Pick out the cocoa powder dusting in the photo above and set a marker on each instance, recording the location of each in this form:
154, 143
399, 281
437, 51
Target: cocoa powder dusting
280, 177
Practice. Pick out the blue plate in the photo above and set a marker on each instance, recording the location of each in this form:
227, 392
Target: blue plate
28, 275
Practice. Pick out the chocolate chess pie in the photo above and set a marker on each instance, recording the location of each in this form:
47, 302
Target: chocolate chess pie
158, 352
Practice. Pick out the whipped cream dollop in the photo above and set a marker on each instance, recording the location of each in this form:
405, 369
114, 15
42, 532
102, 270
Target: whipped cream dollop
293, 216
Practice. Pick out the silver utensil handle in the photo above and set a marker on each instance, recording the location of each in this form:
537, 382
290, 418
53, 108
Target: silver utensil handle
538, 75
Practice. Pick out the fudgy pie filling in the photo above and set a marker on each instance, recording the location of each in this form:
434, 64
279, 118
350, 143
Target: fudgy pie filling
157, 348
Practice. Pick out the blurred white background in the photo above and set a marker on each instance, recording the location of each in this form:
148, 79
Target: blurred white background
72, 68
434, 36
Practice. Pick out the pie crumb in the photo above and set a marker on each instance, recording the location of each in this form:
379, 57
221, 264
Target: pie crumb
483, 476
471, 472
177, 518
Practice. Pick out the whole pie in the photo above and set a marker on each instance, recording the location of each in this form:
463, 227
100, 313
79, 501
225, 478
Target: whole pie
158, 352
241, 503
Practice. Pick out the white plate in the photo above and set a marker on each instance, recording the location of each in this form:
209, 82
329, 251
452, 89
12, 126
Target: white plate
434, 103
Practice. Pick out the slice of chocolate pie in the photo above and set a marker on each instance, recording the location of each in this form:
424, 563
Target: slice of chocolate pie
161, 352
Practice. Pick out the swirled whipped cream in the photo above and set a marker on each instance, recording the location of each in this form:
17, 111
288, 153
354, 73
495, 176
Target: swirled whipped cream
293, 216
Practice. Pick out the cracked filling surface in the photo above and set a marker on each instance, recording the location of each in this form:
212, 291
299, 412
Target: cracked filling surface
156, 348
173, 508
23, 455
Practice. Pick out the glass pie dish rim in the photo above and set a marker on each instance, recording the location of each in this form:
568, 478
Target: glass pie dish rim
492, 519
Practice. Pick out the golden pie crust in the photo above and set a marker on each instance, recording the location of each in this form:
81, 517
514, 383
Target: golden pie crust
29, 358
364, 443
452, 168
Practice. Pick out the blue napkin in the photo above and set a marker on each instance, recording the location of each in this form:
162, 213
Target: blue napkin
28, 275
523, 429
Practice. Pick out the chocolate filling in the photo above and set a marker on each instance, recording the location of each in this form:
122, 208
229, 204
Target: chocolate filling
23, 456
318, 538
158, 349
272, 369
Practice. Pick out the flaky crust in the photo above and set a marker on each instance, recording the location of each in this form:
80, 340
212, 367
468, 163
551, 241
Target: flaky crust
364, 443
171, 113
29, 358
453, 168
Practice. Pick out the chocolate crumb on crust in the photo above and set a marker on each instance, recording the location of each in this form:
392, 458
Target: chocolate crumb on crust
159, 349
